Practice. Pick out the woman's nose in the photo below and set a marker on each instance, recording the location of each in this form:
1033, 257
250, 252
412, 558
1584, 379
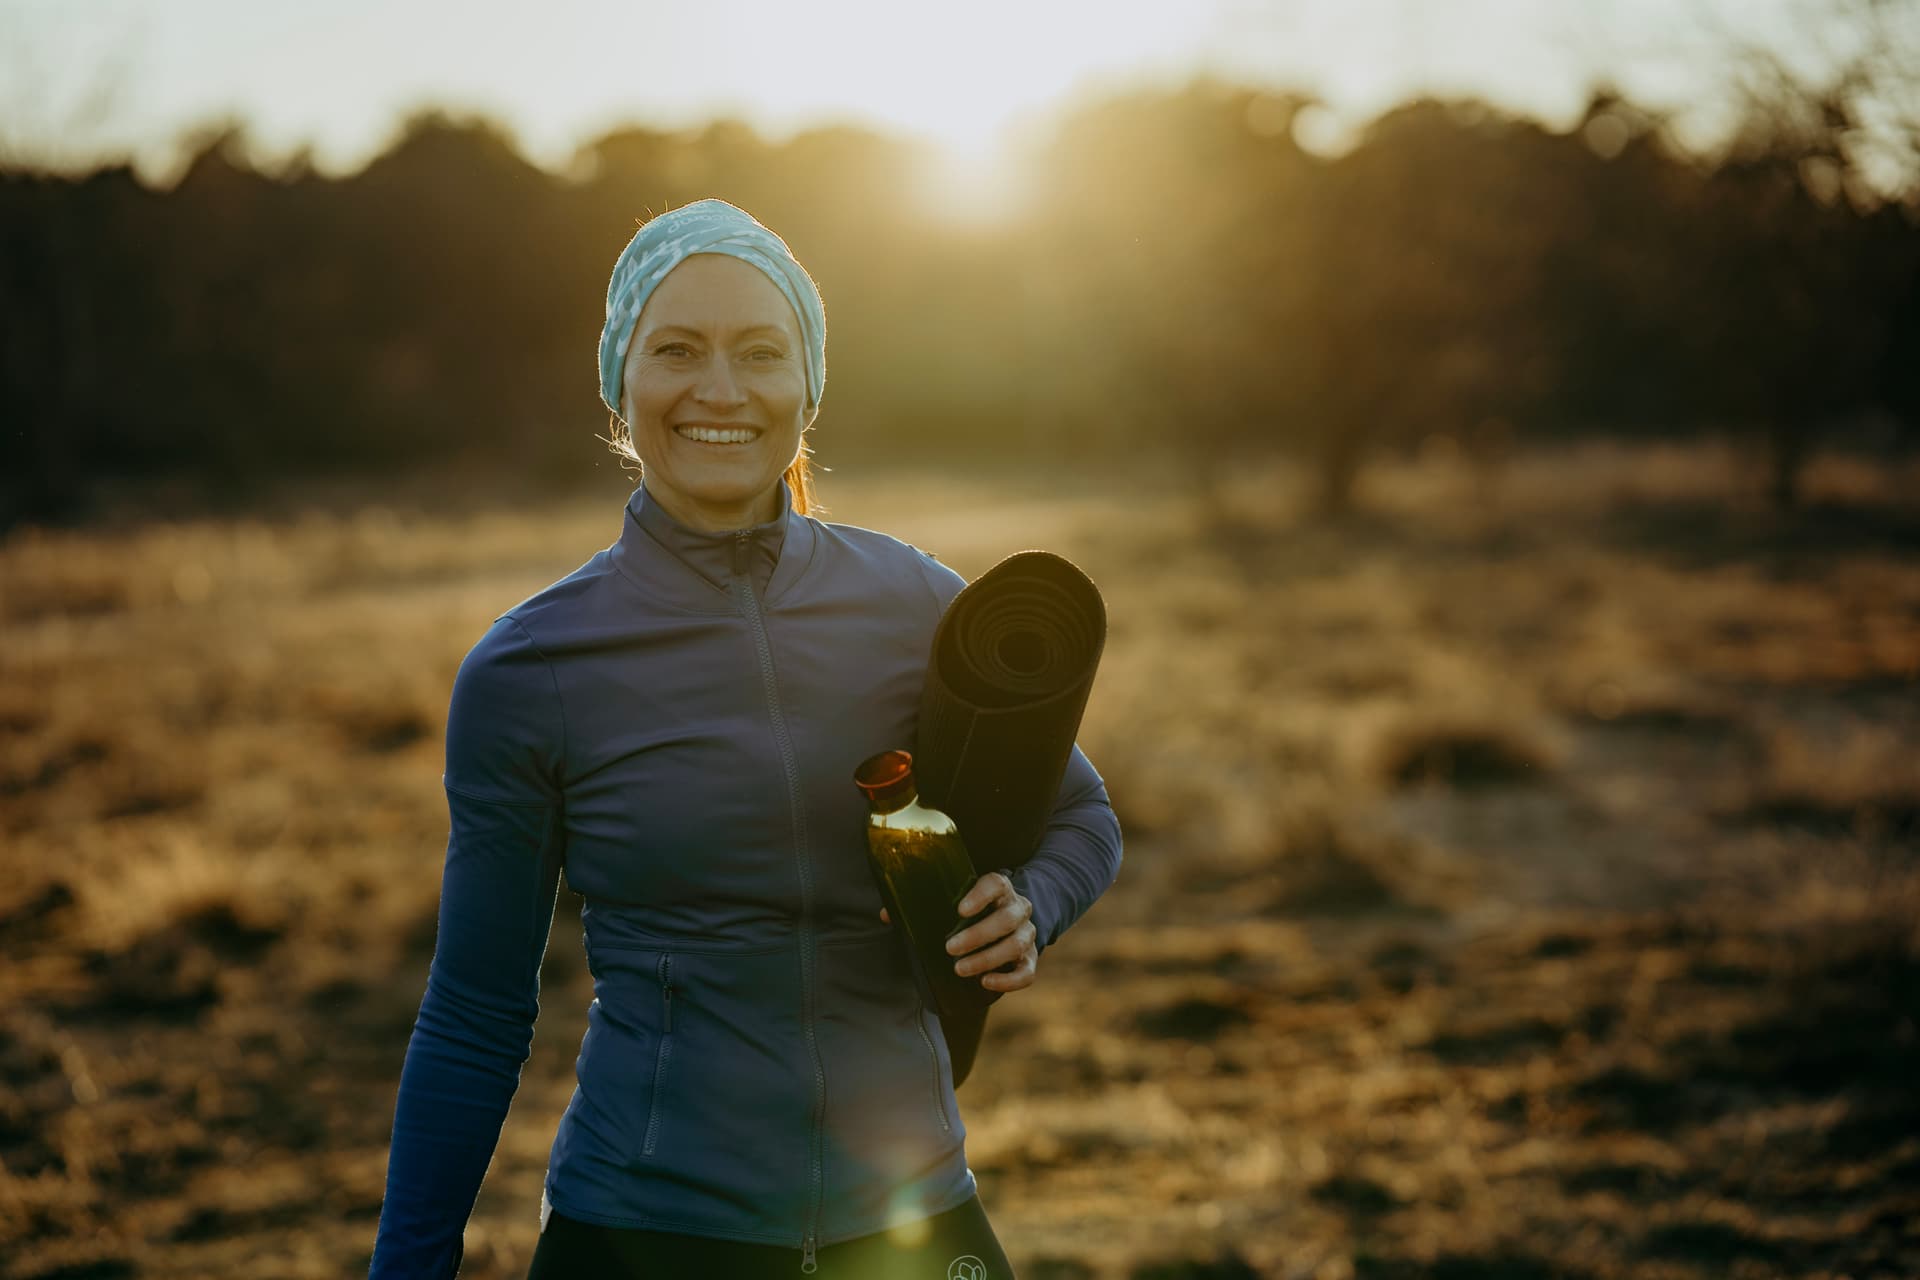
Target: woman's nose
718, 385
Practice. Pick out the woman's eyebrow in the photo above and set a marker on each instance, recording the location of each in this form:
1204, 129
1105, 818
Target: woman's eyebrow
751, 330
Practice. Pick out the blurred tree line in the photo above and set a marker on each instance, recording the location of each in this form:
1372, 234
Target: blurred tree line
1184, 278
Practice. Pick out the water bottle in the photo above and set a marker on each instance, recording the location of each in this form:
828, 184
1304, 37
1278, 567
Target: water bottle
922, 869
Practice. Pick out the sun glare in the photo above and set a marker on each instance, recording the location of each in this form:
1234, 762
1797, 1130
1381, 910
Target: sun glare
965, 81
976, 183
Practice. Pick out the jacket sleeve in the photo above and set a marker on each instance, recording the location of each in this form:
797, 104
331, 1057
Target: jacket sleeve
1079, 853
505, 746
1080, 850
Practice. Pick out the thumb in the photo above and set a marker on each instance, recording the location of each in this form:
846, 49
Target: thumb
884, 917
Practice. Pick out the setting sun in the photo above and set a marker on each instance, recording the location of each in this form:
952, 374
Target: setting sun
975, 183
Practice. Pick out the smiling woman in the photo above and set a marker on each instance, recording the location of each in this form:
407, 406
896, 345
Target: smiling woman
714, 332
763, 1086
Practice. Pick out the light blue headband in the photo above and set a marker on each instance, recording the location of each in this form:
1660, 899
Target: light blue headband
705, 226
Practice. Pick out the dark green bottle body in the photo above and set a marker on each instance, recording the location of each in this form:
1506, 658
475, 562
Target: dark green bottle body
923, 870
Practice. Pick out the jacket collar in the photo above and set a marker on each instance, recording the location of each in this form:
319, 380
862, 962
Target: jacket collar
686, 566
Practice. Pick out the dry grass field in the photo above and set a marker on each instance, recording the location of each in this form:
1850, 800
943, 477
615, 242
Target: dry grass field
1521, 878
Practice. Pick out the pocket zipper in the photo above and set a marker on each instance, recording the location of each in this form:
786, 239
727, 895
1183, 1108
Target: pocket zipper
933, 1056
660, 1060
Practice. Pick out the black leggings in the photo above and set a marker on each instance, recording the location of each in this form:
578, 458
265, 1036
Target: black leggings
957, 1245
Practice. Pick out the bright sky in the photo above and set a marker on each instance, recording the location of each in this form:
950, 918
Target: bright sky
79, 78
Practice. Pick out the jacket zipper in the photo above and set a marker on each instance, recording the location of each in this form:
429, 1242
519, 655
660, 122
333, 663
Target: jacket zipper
665, 970
933, 1056
750, 605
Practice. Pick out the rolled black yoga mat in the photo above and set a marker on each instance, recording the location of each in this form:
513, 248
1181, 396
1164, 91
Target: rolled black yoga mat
1013, 662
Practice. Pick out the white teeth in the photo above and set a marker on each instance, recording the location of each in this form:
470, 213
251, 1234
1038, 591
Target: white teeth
710, 435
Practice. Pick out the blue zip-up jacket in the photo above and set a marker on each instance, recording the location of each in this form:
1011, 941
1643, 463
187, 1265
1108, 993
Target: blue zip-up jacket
677, 723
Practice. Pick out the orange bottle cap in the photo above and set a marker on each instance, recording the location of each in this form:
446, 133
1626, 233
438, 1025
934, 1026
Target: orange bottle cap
883, 775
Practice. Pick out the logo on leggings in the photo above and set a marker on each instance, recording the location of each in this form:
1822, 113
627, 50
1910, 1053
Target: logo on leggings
966, 1267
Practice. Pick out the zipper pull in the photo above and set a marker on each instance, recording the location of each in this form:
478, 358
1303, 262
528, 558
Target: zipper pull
739, 553
807, 1265
669, 1025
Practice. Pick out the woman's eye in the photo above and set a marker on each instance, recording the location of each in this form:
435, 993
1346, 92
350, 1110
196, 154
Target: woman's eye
766, 353
673, 349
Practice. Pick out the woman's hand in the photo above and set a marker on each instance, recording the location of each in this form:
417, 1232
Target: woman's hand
1006, 935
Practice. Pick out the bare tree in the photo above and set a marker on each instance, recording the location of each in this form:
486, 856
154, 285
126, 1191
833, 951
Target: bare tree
1846, 106
1826, 136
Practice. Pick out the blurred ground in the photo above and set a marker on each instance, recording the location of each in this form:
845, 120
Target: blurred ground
1521, 878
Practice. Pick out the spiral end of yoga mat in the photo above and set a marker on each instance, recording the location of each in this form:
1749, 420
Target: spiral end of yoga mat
1013, 662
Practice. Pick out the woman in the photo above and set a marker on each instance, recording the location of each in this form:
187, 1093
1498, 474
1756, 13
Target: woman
762, 1089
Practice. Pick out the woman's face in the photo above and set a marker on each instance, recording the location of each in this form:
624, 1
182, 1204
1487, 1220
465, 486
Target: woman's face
716, 393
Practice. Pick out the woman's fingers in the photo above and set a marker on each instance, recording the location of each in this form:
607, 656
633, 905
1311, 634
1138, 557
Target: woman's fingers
1013, 947
996, 926
1021, 976
991, 887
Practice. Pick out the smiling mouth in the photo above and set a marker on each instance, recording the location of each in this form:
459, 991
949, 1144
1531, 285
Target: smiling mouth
717, 435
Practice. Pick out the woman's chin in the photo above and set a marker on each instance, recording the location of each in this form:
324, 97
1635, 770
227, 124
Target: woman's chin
716, 497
